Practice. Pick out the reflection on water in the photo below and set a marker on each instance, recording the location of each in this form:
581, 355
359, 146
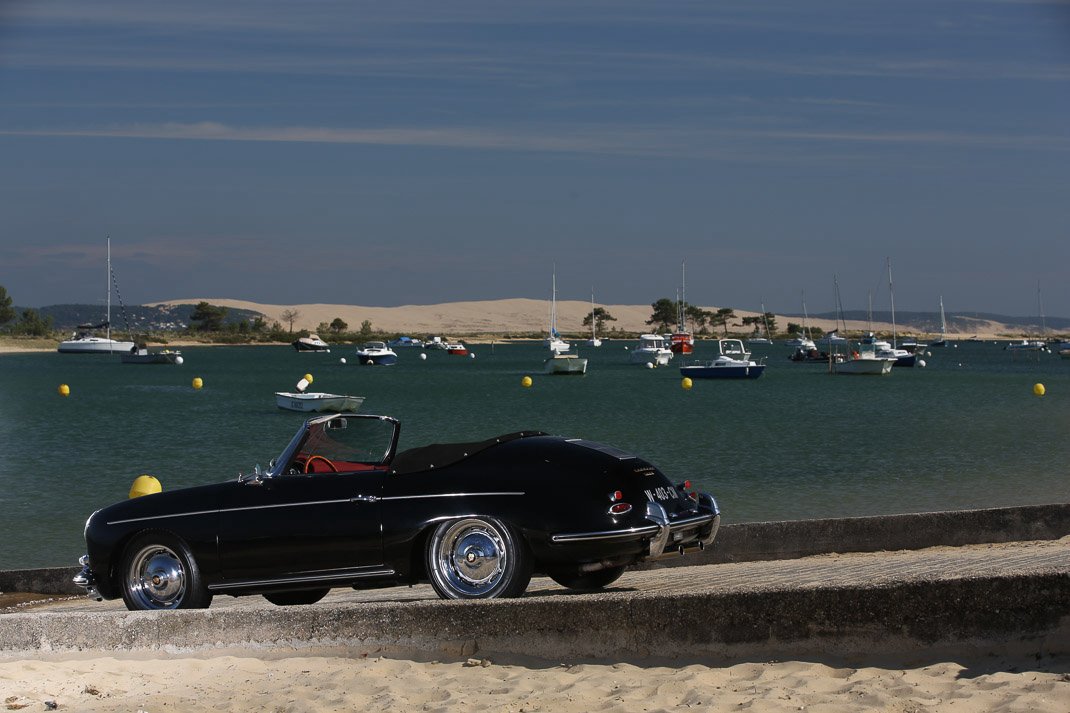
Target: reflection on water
966, 431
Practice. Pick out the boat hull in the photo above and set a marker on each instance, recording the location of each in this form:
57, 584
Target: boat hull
565, 365
94, 345
659, 357
869, 367
318, 402
377, 359
747, 371
146, 357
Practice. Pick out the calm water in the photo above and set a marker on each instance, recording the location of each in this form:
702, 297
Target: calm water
964, 432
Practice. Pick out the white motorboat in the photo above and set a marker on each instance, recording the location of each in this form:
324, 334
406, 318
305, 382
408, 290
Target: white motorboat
83, 341
884, 349
317, 402
377, 354
311, 343
565, 364
866, 360
651, 350
732, 362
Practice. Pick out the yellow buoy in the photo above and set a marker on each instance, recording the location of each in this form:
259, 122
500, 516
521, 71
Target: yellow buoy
64, 390
686, 383
1038, 389
526, 382
197, 382
308, 378
145, 485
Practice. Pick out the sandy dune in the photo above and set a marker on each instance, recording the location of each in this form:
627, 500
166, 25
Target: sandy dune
491, 316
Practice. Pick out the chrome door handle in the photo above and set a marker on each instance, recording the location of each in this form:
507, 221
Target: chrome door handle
365, 499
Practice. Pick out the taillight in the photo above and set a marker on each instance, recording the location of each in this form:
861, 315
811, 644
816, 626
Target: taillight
685, 486
620, 508
615, 496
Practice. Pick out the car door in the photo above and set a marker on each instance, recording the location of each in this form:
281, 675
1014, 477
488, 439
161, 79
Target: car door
302, 527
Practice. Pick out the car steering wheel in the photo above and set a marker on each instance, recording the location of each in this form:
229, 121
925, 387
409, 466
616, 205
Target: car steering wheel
308, 464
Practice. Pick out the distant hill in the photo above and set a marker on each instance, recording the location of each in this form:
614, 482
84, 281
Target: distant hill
141, 318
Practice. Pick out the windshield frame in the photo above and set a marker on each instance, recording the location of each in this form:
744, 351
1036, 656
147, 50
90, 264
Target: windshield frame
279, 465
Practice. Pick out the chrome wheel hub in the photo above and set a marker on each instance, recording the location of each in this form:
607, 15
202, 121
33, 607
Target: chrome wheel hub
471, 557
156, 579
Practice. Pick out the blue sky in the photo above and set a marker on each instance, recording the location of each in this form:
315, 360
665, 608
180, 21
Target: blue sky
419, 152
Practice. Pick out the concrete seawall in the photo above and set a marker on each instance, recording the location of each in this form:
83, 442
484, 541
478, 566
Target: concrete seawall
1013, 597
750, 542
910, 585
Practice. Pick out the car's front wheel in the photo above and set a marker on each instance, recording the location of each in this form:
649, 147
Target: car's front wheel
158, 572
477, 558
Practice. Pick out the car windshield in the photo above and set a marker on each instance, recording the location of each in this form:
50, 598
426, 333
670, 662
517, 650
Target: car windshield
344, 443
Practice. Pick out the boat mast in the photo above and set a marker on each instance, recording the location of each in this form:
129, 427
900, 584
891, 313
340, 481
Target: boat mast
1040, 309
108, 321
683, 296
594, 336
891, 296
943, 322
553, 305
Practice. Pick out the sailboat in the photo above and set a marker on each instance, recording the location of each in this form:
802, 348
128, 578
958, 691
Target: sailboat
554, 341
803, 340
1033, 345
594, 341
83, 341
559, 362
681, 341
755, 338
942, 341
903, 357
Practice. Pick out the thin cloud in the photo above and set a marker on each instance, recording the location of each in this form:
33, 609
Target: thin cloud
651, 141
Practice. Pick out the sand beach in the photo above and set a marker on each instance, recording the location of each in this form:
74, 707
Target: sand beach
339, 680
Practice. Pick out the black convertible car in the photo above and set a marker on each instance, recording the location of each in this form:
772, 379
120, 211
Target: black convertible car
340, 507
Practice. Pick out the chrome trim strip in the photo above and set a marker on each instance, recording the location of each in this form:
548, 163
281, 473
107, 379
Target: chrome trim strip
250, 507
450, 495
163, 517
605, 534
310, 502
245, 583
631, 531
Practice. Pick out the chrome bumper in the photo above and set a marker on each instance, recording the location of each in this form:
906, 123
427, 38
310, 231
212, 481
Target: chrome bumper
87, 579
662, 532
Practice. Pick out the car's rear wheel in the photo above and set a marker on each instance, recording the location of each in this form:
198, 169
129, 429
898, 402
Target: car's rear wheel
587, 581
477, 558
304, 596
158, 572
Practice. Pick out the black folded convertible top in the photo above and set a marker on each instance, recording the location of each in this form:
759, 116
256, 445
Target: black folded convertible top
439, 455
